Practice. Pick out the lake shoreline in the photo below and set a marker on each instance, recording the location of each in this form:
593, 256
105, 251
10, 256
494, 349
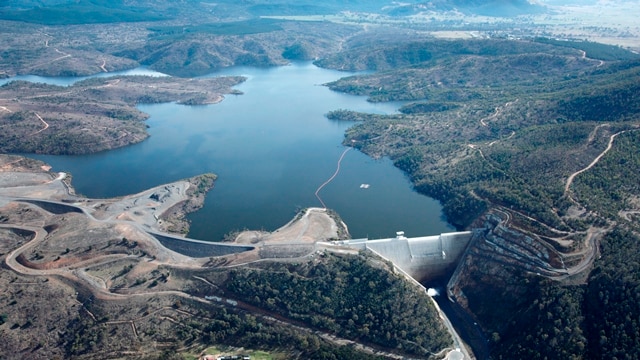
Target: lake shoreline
271, 148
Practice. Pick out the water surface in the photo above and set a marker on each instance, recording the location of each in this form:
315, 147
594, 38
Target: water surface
70, 80
271, 148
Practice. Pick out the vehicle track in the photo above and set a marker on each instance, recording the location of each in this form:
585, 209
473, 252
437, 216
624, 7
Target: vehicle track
593, 163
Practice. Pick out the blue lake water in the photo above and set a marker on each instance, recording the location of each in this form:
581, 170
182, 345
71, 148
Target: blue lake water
271, 148
66, 81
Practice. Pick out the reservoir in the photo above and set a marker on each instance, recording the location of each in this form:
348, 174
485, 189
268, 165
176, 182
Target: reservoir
271, 147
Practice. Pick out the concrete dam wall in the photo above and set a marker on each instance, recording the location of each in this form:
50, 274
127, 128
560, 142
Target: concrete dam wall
422, 258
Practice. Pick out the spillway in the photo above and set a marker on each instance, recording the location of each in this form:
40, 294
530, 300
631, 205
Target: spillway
422, 258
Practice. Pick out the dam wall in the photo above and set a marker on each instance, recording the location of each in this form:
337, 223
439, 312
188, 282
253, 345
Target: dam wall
198, 248
422, 258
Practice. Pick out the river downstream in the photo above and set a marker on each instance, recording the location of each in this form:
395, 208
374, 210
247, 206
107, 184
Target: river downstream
272, 148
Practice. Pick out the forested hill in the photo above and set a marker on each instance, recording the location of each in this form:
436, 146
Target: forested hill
546, 135
371, 53
64, 12
347, 296
79, 12
101, 11
508, 125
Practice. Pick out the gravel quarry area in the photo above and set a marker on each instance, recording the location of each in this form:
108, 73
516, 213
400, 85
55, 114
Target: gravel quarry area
36, 200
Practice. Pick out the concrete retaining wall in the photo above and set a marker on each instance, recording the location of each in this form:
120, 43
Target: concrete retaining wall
423, 258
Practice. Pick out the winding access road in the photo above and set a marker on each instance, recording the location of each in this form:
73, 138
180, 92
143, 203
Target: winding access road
593, 163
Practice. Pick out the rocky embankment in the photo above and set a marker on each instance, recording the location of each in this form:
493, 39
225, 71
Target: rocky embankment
174, 219
500, 250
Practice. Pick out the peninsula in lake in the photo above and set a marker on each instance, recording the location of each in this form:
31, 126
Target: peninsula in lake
95, 114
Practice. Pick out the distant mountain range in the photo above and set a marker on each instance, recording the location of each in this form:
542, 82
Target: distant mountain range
96, 11
480, 7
